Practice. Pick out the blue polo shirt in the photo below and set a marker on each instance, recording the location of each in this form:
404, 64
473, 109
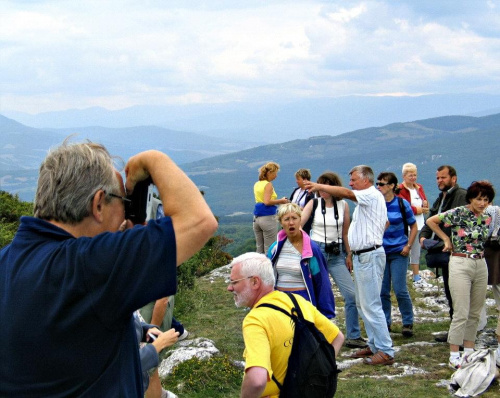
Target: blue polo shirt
66, 308
394, 236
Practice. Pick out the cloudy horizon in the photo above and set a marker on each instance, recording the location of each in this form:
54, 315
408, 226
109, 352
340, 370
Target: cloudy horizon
58, 54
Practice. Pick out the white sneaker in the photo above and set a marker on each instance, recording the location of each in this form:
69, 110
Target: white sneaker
421, 284
167, 394
183, 335
455, 363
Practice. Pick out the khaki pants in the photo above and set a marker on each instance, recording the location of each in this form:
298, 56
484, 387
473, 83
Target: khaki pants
468, 282
265, 229
147, 314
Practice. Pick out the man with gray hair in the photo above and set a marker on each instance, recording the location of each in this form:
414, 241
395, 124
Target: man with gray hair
73, 276
268, 335
365, 240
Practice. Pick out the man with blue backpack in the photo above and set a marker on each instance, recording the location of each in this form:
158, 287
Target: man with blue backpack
290, 347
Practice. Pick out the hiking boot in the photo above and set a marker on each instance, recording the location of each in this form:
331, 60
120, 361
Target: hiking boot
365, 352
455, 363
360, 342
380, 358
407, 330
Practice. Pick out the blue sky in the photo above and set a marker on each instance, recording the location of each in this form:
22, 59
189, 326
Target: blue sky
64, 54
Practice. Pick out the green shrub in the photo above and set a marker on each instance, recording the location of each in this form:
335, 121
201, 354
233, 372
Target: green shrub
210, 257
217, 376
11, 210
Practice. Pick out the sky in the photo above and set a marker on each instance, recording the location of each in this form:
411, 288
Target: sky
67, 54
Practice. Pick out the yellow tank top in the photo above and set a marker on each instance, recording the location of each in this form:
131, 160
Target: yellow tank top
258, 191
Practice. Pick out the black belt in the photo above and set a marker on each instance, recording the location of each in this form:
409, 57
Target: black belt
357, 252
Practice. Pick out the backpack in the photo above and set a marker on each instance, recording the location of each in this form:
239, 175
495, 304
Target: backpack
312, 369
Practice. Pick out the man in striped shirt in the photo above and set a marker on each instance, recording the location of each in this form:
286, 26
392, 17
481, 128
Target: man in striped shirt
365, 240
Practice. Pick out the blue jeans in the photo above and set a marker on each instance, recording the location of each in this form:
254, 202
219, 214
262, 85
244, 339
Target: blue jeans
343, 280
395, 271
368, 273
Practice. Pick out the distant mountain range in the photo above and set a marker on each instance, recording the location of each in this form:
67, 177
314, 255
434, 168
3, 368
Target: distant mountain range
23, 148
468, 143
268, 122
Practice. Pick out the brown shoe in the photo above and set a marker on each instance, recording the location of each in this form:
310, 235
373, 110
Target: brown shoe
380, 358
365, 352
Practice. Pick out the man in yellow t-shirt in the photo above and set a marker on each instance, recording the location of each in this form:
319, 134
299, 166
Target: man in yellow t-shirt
268, 335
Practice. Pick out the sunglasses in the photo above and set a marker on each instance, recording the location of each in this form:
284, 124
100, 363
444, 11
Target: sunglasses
382, 184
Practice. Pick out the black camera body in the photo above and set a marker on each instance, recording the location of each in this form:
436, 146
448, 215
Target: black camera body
143, 206
332, 248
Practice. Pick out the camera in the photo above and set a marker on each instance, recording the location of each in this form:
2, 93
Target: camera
143, 204
332, 248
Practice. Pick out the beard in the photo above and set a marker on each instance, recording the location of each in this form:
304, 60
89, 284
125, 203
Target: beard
242, 299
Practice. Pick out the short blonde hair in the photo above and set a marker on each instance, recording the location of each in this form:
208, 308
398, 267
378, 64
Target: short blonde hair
408, 168
268, 167
288, 208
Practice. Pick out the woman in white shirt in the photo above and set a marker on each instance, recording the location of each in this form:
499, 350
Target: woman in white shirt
415, 196
327, 220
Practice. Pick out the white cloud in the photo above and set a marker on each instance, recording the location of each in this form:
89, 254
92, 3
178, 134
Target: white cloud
61, 54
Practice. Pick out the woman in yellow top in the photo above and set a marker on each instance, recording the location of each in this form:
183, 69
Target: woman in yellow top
265, 226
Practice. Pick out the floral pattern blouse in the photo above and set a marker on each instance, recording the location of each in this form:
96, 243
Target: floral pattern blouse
468, 232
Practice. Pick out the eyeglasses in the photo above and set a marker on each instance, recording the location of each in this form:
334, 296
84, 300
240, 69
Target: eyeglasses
382, 184
232, 283
124, 199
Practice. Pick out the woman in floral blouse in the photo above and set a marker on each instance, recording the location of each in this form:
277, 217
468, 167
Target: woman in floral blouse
468, 271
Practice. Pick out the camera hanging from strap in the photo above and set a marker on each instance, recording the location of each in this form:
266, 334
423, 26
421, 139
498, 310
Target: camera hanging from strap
336, 211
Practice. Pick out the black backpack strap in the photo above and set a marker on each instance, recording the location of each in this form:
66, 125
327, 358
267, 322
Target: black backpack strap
296, 305
308, 225
275, 307
403, 214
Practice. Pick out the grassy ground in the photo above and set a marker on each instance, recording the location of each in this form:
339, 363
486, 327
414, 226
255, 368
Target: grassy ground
209, 311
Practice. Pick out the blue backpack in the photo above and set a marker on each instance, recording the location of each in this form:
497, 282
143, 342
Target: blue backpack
312, 369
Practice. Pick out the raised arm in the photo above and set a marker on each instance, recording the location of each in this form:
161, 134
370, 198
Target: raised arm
339, 192
192, 219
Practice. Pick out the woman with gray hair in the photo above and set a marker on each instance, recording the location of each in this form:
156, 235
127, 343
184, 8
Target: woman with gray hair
299, 266
415, 196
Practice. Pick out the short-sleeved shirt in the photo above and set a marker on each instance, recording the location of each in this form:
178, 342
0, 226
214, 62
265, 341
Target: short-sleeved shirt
468, 232
368, 220
395, 238
67, 304
268, 336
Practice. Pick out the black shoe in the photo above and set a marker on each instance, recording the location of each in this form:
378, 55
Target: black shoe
356, 343
442, 338
407, 330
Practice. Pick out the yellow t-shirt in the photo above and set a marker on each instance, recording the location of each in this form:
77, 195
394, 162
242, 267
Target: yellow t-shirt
268, 336
258, 191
